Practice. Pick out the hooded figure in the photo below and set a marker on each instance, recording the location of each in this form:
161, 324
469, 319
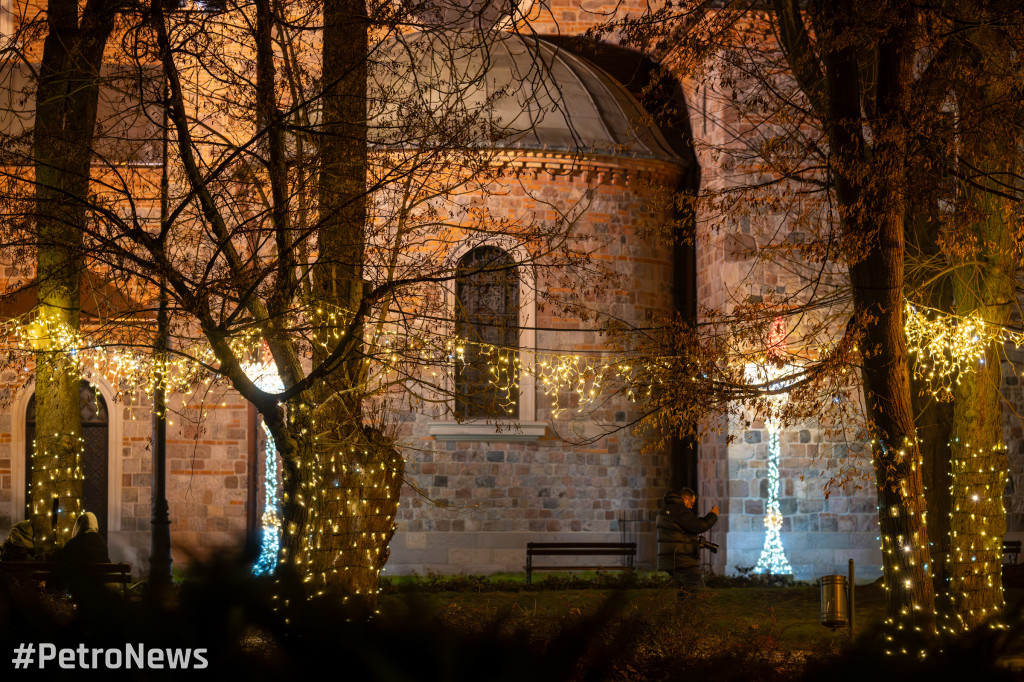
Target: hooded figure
678, 529
20, 544
86, 545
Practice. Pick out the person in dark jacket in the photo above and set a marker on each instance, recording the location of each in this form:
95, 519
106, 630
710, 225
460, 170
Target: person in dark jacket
678, 529
86, 545
20, 544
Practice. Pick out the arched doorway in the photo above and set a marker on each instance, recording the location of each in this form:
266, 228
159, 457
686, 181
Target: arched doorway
96, 434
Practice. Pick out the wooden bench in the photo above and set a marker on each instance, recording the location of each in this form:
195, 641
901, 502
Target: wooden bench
1011, 547
621, 549
47, 570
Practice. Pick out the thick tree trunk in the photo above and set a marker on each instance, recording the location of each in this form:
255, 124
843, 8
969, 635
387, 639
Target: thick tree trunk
878, 296
341, 237
977, 519
870, 183
871, 186
344, 481
983, 286
66, 102
341, 494
934, 419
929, 284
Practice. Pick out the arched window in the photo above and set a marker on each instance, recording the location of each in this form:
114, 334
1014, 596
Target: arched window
95, 433
487, 316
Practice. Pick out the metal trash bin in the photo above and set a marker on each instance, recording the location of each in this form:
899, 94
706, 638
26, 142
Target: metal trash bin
835, 605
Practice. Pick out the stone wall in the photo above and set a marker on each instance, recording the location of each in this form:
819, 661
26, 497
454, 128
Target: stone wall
1013, 433
206, 481
478, 502
820, 532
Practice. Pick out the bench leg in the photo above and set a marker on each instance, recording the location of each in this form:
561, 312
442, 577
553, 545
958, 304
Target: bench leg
529, 569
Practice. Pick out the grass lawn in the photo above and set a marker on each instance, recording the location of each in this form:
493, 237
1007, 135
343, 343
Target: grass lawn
725, 626
790, 614
727, 633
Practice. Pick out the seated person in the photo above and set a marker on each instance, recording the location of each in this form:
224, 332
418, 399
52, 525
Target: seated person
20, 544
86, 545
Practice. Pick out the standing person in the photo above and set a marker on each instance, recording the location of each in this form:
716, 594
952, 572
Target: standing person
679, 528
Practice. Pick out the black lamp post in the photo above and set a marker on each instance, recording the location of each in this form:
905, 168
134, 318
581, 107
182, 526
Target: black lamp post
160, 548
160, 551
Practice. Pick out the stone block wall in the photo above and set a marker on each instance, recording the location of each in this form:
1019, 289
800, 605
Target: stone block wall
820, 532
207, 461
206, 480
481, 502
712, 472
9, 382
477, 503
1013, 434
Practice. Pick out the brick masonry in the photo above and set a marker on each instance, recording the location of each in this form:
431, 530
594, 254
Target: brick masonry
1013, 433
819, 533
483, 501
206, 482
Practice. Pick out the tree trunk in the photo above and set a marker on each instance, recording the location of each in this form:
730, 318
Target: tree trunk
341, 237
871, 186
869, 178
878, 297
66, 102
979, 465
347, 476
983, 286
928, 284
341, 494
934, 419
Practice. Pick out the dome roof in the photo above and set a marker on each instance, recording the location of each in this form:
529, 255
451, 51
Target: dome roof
506, 91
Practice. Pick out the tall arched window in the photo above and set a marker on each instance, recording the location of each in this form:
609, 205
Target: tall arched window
487, 315
95, 433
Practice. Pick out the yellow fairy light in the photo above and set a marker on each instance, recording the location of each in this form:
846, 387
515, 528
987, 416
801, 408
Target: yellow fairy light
945, 345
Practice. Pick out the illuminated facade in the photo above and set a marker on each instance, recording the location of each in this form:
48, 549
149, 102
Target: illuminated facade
478, 492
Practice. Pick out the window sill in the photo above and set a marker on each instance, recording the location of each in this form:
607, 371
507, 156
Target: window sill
488, 431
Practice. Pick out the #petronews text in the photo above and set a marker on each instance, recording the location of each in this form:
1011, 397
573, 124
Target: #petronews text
109, 658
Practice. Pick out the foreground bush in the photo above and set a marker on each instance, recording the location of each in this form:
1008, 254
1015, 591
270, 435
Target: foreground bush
260, 629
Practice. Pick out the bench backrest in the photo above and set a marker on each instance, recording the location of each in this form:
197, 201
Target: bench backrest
119, 573
581, 548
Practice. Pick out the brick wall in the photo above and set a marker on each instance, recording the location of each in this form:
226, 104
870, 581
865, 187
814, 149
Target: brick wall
482, 501
206, 483
743, 257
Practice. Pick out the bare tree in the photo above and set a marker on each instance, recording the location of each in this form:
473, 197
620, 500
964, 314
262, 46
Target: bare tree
62, 152
870, 129
325, 165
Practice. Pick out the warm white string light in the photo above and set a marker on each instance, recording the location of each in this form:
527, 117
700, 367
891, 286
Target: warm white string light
945, 345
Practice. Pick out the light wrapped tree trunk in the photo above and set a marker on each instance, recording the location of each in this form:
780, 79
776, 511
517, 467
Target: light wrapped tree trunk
977, 518
870, 184
878, 286
927, 283
344, 479
984, 289
65, 122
